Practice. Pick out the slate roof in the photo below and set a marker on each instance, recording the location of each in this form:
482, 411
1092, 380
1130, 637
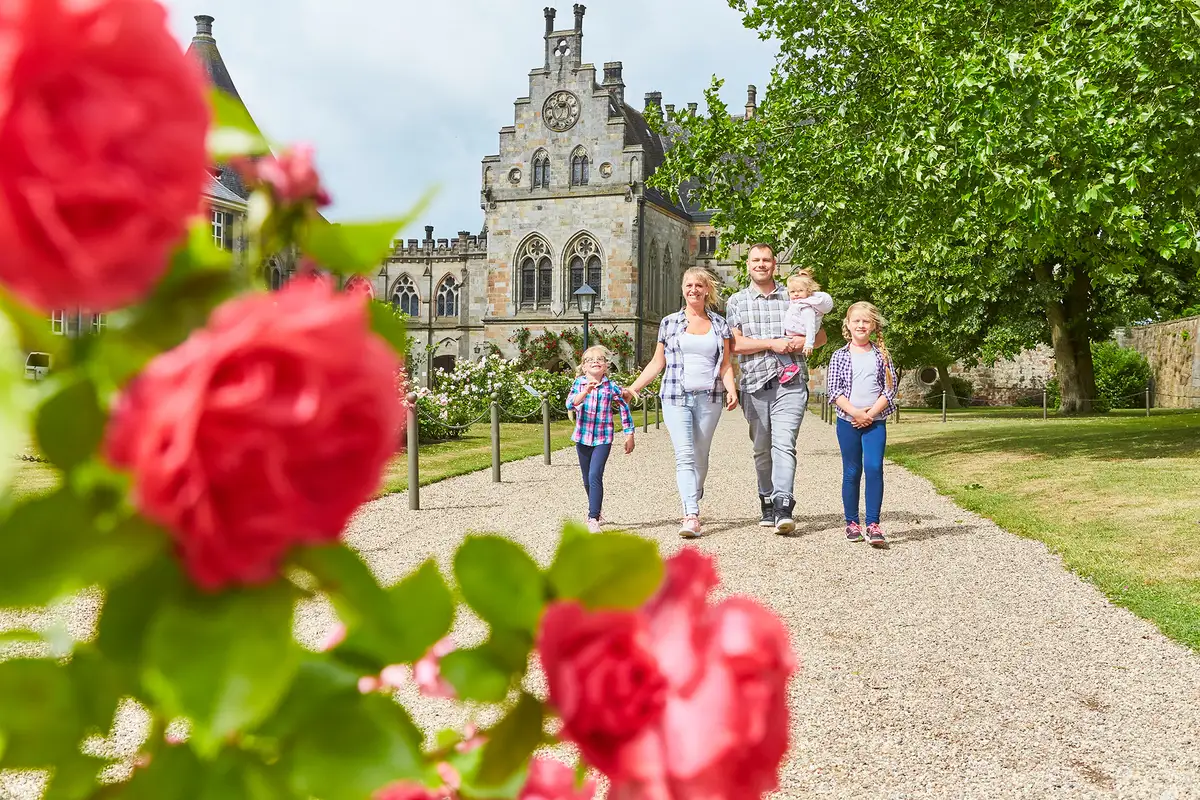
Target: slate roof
204, 49
220, 191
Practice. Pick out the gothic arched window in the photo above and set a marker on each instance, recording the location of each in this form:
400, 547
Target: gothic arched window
447, 297
584, 264
712, 244
541, 170
276, 279
579, 167
405, 297
650, 281
536, 283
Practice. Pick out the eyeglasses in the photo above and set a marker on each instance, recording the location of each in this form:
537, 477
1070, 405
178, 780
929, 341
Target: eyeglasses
595, 361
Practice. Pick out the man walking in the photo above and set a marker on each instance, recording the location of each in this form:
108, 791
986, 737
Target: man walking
774, 411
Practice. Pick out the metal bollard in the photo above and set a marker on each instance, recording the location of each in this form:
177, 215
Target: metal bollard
545, 430
943, 406
1147, 400
897, 412
645, 414
1045, 404
657, 412
414, 475
495, 442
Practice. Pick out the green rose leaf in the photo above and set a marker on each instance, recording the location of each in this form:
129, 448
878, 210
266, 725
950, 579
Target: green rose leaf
39, 720
606, 570
389, 326
176, 773
57, 532
14, 393
512, 741
224, 661
70, 423
125, 616
500, 582
356, 248
353, 746
392, 626
475, 675
233, 131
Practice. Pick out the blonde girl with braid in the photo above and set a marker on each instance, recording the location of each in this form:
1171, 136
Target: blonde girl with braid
862, 387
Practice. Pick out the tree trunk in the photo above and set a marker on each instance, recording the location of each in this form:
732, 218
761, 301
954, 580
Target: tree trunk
1068, 318
948, 387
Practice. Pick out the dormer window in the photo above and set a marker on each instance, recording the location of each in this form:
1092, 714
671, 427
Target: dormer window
541, 170
579, 167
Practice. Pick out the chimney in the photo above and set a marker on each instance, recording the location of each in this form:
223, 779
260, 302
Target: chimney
751, 104
653, 99
549, 12
579, 9
204, 26
613, 81
429, 233
670, 109
692, 109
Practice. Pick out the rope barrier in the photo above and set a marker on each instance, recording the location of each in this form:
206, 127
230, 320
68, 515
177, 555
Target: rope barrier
448, 426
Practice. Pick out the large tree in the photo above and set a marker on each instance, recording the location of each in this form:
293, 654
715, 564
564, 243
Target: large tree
1056, 140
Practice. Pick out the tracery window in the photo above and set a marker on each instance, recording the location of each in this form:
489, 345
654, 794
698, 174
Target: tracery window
447, 297
579, 167
541, 170
536, 274
405, 297
584, 264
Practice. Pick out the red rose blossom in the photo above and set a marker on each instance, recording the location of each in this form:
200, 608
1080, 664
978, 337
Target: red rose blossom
266, 428
602, 676
553, 780
103, 122
292, 176
722, 731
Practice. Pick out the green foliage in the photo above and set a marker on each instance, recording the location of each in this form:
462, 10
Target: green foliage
562, 352
612, 570
963, 389
1122, 376
991, 175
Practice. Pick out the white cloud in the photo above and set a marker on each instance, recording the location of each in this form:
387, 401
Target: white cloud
399, 97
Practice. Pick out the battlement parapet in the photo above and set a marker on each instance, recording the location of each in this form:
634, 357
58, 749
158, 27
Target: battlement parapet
467, 244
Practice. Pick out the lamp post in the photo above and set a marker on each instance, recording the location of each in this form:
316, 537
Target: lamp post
585, 295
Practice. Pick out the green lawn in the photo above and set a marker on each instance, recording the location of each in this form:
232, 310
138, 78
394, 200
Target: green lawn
1118, 496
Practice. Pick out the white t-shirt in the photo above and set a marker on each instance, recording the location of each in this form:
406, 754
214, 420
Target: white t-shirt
699, 360
864, 381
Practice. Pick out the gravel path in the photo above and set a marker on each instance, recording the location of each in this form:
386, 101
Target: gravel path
961, 662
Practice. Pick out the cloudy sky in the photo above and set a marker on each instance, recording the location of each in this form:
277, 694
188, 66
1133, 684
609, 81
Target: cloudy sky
398, 97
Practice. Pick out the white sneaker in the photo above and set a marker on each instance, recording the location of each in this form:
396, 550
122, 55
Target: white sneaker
593, 525
690, 527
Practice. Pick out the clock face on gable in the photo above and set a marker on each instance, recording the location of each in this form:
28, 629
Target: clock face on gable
561, 111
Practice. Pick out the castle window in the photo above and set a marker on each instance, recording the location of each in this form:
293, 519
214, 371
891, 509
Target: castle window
58, 322
584, 264
276, 279
222, 229
536, 284
712, 244
405, 297
447, 297
703, 245
579, 167
541, 170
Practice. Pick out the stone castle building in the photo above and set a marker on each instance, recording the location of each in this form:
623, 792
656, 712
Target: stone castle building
565, 202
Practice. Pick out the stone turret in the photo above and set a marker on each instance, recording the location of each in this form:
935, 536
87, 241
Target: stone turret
751, 100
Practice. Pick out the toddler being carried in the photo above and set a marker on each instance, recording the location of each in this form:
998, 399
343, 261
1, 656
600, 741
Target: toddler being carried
807, 308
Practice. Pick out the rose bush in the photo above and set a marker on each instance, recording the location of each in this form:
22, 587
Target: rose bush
102, 125
210, 445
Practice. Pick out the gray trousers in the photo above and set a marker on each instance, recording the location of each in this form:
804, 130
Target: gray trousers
775, 415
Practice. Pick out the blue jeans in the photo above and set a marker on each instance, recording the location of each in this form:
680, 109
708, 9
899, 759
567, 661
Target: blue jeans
692, 425
775, 415
591, 462
862, 454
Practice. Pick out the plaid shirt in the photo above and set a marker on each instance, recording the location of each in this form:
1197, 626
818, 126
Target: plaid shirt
669, 331
593, 418
841, 376
760, 316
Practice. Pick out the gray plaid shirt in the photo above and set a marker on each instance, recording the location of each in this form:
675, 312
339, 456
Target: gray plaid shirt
760, 316
669, 331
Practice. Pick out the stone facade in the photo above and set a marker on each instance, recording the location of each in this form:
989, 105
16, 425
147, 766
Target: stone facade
565, 201
1173, 350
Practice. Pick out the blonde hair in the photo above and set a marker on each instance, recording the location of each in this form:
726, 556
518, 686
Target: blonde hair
803, 279
879, 323
596, 351
712, 296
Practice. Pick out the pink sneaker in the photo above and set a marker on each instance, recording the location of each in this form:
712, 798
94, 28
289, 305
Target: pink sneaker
788, 373
593, 525
690, 527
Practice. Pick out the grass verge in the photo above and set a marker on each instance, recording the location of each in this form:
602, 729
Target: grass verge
1118, 496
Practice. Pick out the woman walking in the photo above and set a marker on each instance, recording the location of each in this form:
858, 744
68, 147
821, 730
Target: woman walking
862, 386
693, 355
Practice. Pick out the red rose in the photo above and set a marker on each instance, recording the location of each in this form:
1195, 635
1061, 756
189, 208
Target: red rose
404, 790
602, 676
723, 729
265, 429
553, 780
103, 122
292, 177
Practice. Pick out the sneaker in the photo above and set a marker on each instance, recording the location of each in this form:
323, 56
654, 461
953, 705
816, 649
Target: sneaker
601, 520
875, 535
690, 527
788, 373
768, 512
854, 532
593, 525
783, 514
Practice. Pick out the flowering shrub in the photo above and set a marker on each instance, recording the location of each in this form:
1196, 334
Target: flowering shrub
211, 444
561, 352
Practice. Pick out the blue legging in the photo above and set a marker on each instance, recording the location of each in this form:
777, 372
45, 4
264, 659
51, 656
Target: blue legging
862, 453
591, 462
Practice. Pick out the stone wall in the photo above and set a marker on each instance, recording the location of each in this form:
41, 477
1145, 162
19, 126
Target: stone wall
1173, 350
